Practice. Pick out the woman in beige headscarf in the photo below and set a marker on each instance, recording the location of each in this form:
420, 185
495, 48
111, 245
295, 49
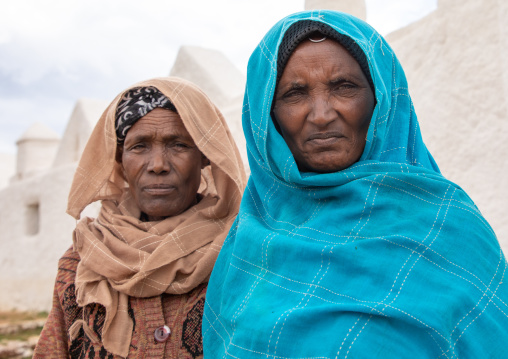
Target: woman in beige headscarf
165, 166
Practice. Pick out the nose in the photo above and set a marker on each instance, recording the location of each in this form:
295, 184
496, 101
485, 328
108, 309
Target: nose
322, 112
159, 161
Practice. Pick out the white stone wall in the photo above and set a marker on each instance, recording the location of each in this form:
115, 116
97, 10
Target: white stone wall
7, 168
29, 255
36, 149
34, 228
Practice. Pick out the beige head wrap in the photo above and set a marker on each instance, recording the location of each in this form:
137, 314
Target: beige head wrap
122, 256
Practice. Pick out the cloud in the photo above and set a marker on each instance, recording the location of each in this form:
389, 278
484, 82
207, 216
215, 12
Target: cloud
54, 52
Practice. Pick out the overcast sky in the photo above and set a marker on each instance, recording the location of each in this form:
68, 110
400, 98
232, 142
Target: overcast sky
54, 52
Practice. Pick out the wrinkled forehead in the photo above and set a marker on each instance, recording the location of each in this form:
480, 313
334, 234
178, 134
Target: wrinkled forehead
317, 31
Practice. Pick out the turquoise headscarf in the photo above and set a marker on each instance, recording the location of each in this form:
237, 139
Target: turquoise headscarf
385, 259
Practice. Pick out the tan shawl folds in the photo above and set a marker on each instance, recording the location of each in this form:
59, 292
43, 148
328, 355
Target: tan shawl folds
122, 256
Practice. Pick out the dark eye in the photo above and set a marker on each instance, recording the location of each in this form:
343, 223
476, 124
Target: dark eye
344, 88
293, 94
137, 147
340, 85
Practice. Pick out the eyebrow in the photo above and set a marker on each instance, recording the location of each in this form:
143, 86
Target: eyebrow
291, 86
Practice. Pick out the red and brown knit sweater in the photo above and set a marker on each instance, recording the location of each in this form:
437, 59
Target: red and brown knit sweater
181, 313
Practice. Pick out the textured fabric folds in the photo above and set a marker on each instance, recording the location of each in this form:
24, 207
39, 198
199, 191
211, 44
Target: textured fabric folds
123, 256
384, 259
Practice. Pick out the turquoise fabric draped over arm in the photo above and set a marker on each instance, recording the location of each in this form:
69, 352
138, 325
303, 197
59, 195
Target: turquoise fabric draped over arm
385, 259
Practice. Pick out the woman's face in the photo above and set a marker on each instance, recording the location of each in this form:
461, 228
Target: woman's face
323, 106
162, 164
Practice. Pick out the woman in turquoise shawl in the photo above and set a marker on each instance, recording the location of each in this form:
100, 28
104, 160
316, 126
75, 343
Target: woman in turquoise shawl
381, 258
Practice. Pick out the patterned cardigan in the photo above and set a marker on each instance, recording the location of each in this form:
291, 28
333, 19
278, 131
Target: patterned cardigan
181, 313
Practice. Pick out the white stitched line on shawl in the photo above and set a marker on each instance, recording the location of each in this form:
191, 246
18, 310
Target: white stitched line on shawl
193, 230
286, 175
264, 258
269, 190
360, 302
375, 308
394, 97
407, 192
216, 332
206, 136
479, 314
254, 285
414, 263
354, 340
318, 208
262, 46
151, 244
413, 160
246, 299
289, 223
265, 112
439, 345
347, 335
94, 246
364, 303
478, 303
371, 207
88, 182
303, 297
246, 349
443, 257
296, 234
430, 231
432, 194
475, 213
364, 206
331, 234
90, 297
150, 235
177, 91
452, 273
329, 301
173, 237
210, 324
394, 149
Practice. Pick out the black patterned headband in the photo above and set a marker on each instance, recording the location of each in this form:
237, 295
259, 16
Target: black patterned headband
136, 103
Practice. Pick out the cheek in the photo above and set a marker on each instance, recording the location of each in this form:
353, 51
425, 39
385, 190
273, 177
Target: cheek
361, 115
131, 167
290, 120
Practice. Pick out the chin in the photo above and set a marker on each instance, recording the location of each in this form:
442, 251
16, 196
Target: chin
325, 165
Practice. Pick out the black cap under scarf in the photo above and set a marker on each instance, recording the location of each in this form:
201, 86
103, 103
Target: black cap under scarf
136, 103
305, 29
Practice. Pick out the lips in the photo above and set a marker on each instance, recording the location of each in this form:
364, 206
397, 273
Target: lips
159, 189
325, 138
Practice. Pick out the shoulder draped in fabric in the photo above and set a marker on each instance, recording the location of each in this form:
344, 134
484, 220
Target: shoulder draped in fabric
384, 259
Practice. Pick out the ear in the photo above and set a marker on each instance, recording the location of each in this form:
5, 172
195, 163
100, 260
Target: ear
204, 161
